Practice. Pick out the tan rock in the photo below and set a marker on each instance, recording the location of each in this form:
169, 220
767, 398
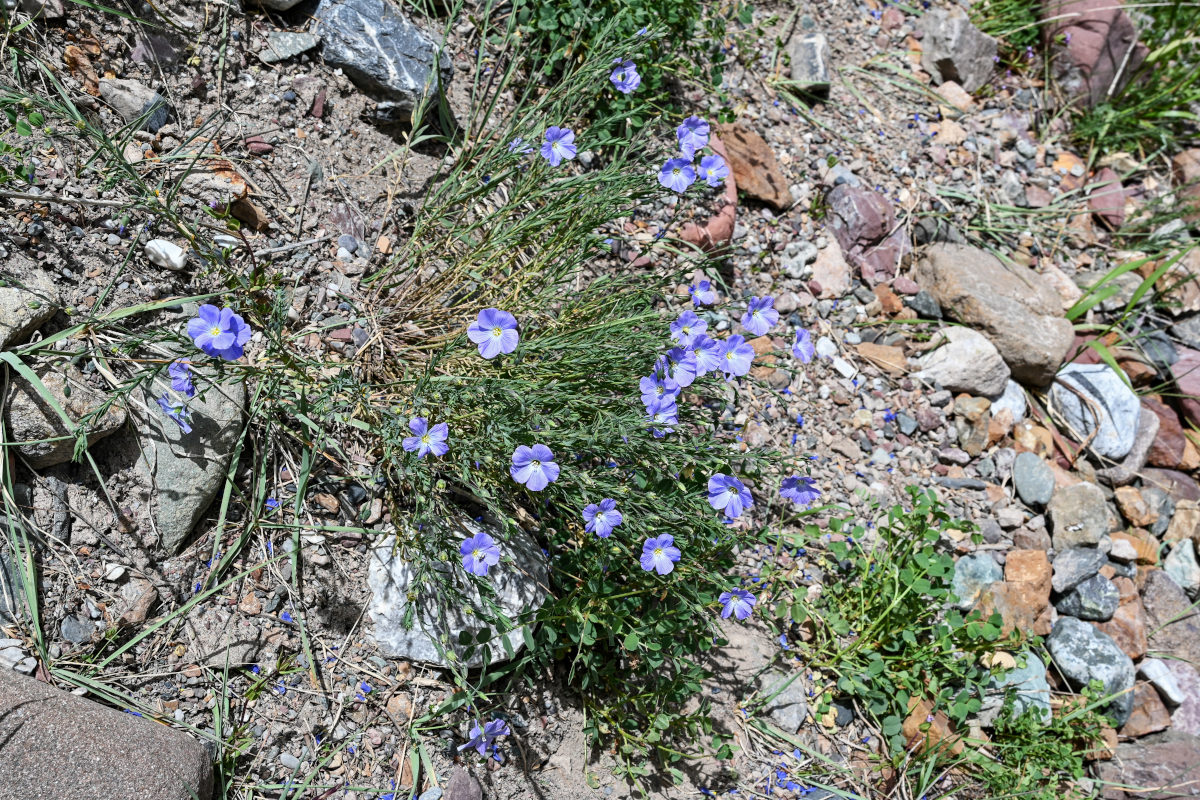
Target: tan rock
1128, 624
1134, 507
888, 358
929, 730
1143, 542
1185, 168
831, 271
1185, 524
754, 166
956, 96
31, 419
1149, 715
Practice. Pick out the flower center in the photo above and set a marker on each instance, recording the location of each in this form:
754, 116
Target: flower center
425, 438
729, 356
675, 171
658, 552
687, 331
477, 554
535, 464
497, 331
733, 490
554, 145
215, 330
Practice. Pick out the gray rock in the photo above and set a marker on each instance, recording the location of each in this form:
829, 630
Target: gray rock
1031, 691
968, 362
1156, 672
1159, 348
135, 102
1130, 467
1078, 515
519, 580
289, 761
789, 708
282, 45
1159, 501
218, 637
76, 629
1084, 653
12, 591
925, 305
167, 255
187, 470
955, 50
1033, 480
48, 739
431, 794
45, 9
972, 575
810, 61
463, 786
1187, 330
908, 425
1012, 399
1181, 565
1110, 410
278, 5
23, 309
1072, 567
381, 51
1095, 599
32, 420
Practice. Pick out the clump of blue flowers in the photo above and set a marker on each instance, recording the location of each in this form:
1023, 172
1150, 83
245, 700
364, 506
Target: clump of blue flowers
678, 173
219, 332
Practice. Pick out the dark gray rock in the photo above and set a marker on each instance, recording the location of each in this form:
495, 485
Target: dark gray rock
1187, 330
1095, 599
49, 740
1083, 653
924, 304
1078, 516
810, 61
1033, 480
135, 102
1110, 410
463, 786
1159, 348
972, 575
384, 54
1159, 501
77, 630
282, 45
955, 50
1073, 567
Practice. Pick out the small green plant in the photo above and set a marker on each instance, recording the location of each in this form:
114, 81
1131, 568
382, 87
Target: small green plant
1016, 23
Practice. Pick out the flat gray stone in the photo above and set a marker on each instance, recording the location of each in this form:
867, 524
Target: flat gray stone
282, 45
31, 419
24, 308
1073, 567
382, 52
54, 745
1094, 400
1155, 671
955, 50
1012, 399
520, 581
1078, 516
789, 708
810, 61
1084, 653
135, 102
1031, 691
1095, 599
187, 470
972, 575
76, 629
1181, 565
1033, 480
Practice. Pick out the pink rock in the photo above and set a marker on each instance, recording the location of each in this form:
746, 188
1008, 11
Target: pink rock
719, 228
1187, 377
258, 146
892, 18
1186, 717
903, 285
1106, 198
1097, 46
865, 226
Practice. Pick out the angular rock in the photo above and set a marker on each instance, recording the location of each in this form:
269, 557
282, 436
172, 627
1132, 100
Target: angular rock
1170, 443
809, 52
1187, 378
1096, 47
1084, 654
754, 166
167, 255
1095, 402
967, 363
383, 53
1072, 567
1023, 600
864, 224
463, 786
1160, 504
972, 575
1011, 305
1145, 545
48, 739
832, 272
1078, 516
789, 708
1131, 465
519, 580
1156, 672
12, 590
23, 308
955, 50
1173, 624
1186, 716
1185, 524
1128, 624
1134, 507
282, 45
1033, 479
1149, 715
187, 470
135, 102
1013, 399
1185, 169
31, 418
1181, 565
1106, 199
1094, 599
1031, 691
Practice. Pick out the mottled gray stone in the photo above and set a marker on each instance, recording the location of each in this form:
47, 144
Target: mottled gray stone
789, 708
1072, 567
1156, 672
1029, 686
1159, 501
810, 61
1078, 515
135, 102
12, 591
1033, 480
77, 630
282, 45
31, 419
463, 786
186, 470
381, 51
1095, 599
1187, 330
1084, 653
1181, 565
973, 574
955, 50
520, 581
54, 745
23, 308
1112, 413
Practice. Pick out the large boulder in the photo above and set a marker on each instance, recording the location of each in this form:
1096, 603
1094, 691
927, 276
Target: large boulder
35, 425
1011, 305
955, 50
1096, 47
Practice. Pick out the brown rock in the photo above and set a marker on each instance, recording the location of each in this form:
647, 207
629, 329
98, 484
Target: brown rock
1187, 377
1185, 523
1185, 168
1168, 761
250, 604
138, 599
888, 299
1169, 445
1128, 624
888, 358
1173, 624
1144, 544
719, 228
1149, 715
1033, 438
1107, 748
928, 730
49, 748
1180, 285
1106, 198
1134, 507
1026, 539
955, 95
754, 166
1031, 567
1095, 47
251, 214
1000, 426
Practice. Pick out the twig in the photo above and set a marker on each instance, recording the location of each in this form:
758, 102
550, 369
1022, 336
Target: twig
284, 248
83, 201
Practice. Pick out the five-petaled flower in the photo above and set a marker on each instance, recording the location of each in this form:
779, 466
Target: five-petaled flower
760, 315
495, 332
534, 467
176, 411
659, 554
559, 145
600, 518
726, 493
800, 489
181, 377
736, 356
479, 553
662, 412
803, 348
219, 332
687, 327
482, 737
707, 352
426, 439
677, 174
693, 135
681, 366
657, 387
713, 169
625, 77
737, 602
702, 293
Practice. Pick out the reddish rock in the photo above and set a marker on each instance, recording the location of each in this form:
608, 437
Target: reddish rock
1149, 715
1186, 717
1175, 483
1173, 623
929, 730
1096, 46
1169, 445
1169, 762
1144, 544
259, 146
1128, 624
719, 228
864, 224
1023, 600
754, 166
1106, 198
1187, 378
903, 285
1134, 507
892, 18
1185, 167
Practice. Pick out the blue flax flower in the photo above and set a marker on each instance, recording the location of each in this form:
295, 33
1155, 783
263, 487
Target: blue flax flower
176, 411
518, 145
426, 440
559, 145
702, 293
601, 518
687, 327
495, 332
658, 387
659, 554
800, 489
534, 467
625, 77
681, 366
481, 738
663, 413
707, 352
736, 356
760, 315
479, 553
737, 602
713, 170
693, 135
726, 493
219, 332
677, 174
803, 348
181, 377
